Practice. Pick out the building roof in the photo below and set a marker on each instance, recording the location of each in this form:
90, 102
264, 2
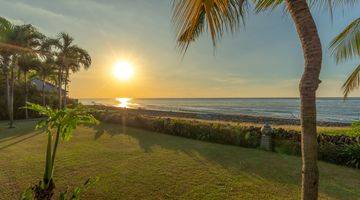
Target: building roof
48, 86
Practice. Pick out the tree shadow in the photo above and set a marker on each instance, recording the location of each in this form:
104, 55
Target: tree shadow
18, 141
258, 164
21, 129
230, 157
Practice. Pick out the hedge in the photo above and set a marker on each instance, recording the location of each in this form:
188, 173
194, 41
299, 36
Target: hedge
342, 150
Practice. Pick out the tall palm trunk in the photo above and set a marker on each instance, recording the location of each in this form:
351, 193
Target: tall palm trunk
26, 94
66, 85
309, 83
11, 98
60, 87
43, 91
7, 79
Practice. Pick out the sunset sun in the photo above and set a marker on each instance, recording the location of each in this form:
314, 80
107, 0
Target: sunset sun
123, 70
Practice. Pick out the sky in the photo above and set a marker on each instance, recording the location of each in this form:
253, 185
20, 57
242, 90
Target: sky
263, 59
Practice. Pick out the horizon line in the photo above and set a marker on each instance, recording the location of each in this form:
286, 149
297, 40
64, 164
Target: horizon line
329, 97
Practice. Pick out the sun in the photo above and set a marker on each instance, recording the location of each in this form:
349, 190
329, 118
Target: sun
123, 70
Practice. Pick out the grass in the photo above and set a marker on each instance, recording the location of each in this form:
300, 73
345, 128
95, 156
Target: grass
137, 164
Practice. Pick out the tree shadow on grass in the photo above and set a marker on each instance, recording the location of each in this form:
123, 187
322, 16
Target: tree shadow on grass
18, 141
22, 129
236, 159
258, 164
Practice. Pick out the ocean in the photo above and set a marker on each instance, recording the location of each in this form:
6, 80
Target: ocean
328, 109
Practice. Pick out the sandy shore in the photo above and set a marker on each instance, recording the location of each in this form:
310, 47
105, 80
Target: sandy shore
220, 117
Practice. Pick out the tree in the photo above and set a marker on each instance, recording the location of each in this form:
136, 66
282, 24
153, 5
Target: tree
346, 46
77, 58
16, 40
59, 124
45, 70
6, 29
68, 56
193, 17
27, 62
5, 64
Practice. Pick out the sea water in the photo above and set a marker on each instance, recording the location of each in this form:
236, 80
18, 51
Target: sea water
328, 109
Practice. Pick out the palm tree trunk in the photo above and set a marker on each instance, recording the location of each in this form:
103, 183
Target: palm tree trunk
43, 92
66, 84
26, 95
7, 79
309, 83
59, 87
11, 98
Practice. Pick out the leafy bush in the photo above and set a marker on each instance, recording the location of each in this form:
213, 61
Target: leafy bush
351, 153
338, 149
290, 147
355, 128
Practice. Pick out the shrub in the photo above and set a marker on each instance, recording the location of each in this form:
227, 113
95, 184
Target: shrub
290, 147
351, 154
338, 149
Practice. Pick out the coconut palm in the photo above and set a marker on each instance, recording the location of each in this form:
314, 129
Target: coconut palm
26, 63
68, 55
45, 70
5, 64
346, 46
6, 29
193, 17
78, 58
16, 40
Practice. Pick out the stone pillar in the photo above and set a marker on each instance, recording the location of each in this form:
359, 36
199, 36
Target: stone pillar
266, 137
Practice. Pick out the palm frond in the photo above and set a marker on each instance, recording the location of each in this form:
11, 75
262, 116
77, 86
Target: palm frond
49, 43
261, 5
5, 25
352, 82
193, 17
28, 61
347, 44
66, 39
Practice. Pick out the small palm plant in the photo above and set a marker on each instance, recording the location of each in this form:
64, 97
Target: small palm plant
58, 124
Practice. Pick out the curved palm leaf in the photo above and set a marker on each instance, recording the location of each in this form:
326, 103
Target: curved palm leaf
79, 56
347, 44
19, 38
66, 40
261, 5
192, 17
28, 62
352, 82
344, 47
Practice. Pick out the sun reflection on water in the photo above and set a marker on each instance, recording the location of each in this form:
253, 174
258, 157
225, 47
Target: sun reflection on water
123, 102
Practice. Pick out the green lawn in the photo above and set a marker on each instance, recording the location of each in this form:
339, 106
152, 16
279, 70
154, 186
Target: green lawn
137, 164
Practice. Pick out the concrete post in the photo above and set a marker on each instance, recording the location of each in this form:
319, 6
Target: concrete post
266, 137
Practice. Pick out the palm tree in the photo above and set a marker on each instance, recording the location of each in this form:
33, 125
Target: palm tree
346, 46
5, 64
193, 17
69, 56
78, 58
16, 40
44, 71
26, 63
6, 29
